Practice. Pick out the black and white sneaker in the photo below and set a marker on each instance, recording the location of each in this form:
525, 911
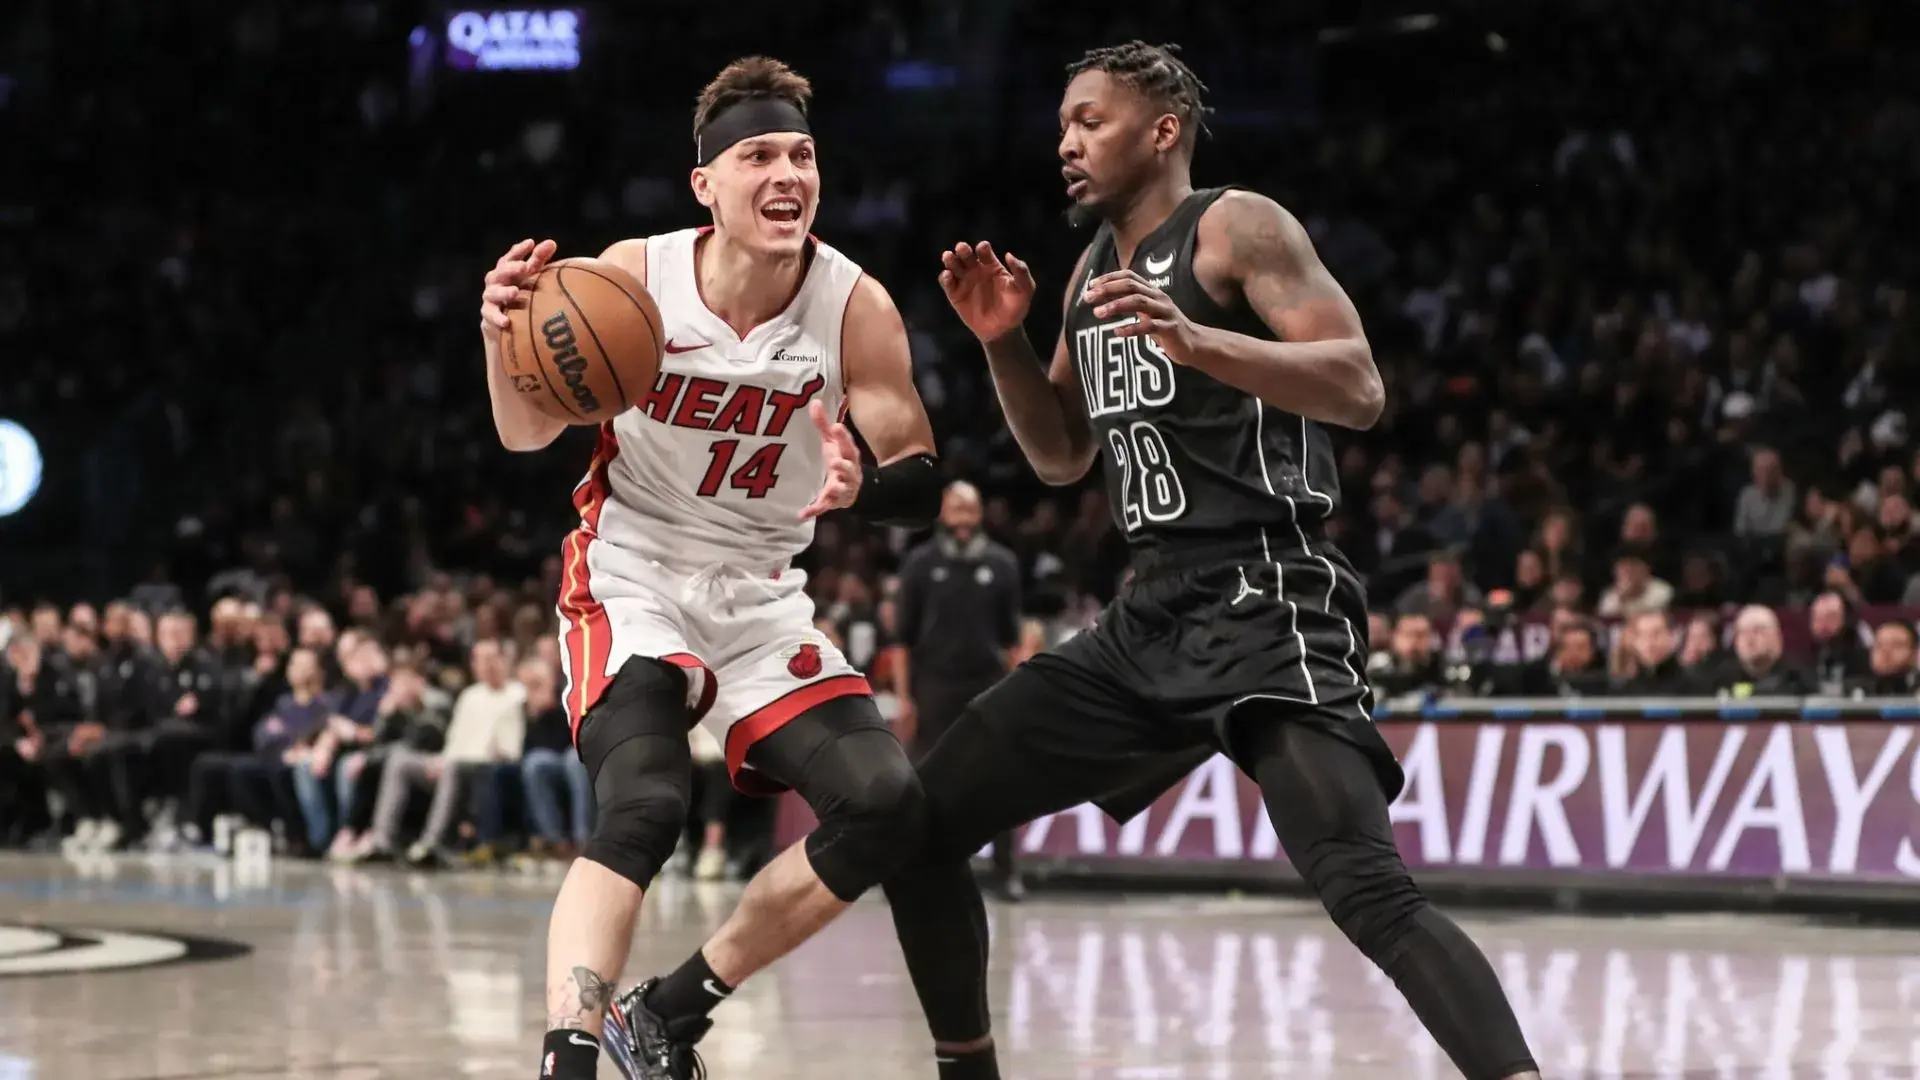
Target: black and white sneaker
647, 1046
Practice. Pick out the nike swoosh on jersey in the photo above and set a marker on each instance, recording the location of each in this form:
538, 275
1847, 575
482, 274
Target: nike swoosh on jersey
672, 348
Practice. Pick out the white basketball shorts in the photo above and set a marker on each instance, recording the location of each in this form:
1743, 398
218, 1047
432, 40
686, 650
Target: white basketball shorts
744, 637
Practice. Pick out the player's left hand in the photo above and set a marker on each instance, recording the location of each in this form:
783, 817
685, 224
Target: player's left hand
1125, 292
842, 458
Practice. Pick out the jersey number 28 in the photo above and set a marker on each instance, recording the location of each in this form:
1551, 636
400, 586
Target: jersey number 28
1149, 487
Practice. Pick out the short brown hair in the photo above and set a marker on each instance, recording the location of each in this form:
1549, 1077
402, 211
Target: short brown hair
746, 79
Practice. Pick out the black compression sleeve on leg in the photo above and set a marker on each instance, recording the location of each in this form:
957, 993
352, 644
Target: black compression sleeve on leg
942, 924
905, 492
1331, 815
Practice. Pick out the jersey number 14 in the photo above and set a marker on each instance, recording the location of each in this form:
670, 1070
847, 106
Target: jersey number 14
1149, 487
755, 476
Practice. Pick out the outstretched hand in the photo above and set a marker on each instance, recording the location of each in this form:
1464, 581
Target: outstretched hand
842, 458
990, 295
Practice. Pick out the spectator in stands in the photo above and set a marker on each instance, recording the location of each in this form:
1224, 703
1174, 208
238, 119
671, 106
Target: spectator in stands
1413, 664
1893, 673
1574, 667
549, 765
1703, 577
262, 785
1558, 542
1838, 655
1757, 668
1530, 584
316, 632
1701, 653
35, 699
353, 725
1444, 592
1391, 557
1634, 587
412, 716
489, 727
1864, 574
1650, 660
80, 759
1765, 506
1568, 594
189, 704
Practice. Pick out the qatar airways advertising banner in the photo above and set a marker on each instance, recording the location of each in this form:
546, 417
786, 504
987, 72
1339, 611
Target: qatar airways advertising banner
1709, 798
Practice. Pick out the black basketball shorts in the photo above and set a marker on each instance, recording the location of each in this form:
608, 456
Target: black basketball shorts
1189, 654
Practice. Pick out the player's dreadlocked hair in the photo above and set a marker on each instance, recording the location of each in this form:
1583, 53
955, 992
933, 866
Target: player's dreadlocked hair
1156, 73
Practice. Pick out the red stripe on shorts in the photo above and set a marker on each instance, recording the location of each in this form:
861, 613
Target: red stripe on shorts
590, 494
589, 635
770, 718
707, 690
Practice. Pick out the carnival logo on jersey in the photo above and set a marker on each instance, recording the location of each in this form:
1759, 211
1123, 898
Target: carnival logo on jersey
558, 331
1121, 374
36, 950
782, 356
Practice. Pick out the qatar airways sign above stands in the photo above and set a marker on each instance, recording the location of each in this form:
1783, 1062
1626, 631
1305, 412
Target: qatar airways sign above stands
514, 39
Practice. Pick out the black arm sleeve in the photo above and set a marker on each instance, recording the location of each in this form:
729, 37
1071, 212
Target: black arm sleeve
905, 493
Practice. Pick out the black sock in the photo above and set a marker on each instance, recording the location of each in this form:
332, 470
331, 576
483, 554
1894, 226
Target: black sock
692, 989
569, 1054
978, 1064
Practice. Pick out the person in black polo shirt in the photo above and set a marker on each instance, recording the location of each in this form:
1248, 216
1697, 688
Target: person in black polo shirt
959, 615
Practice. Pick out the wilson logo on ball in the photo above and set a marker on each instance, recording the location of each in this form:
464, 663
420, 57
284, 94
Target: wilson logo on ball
567, 359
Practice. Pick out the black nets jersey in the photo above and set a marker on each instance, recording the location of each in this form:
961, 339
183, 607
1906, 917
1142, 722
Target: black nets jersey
1189, 460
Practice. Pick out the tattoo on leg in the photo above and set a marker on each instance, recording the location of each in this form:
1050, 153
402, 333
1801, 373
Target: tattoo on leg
596, 993
578, 999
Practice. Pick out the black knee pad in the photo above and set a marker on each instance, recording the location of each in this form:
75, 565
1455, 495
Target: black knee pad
847, 763
871, 821
634, 744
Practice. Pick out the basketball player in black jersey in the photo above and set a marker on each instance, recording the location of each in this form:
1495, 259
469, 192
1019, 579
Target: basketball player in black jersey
1203, 346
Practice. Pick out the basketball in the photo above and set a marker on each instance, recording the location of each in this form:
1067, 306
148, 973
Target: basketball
587, 345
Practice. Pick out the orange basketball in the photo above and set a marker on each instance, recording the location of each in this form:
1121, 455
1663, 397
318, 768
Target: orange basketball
588, 344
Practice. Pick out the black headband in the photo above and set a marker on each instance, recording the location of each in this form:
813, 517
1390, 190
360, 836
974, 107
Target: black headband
754, 116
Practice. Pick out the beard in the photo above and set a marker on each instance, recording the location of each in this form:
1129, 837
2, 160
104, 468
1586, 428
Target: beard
1082, 216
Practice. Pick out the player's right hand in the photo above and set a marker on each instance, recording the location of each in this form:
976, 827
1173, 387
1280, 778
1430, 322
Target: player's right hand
989, 295
505, 283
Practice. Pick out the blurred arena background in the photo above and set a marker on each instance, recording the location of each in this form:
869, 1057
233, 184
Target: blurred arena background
1638, 526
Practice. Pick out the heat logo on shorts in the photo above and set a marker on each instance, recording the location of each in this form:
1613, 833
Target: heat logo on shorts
805, 662
46, 950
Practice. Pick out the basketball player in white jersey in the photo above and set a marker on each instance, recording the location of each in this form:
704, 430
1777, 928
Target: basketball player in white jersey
678, 604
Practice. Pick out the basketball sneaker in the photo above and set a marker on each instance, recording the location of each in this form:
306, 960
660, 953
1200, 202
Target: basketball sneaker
647, 1046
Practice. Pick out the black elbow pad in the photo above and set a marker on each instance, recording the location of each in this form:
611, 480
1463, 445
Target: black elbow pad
905, 493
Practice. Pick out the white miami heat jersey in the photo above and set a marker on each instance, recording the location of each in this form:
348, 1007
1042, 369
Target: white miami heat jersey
717, 460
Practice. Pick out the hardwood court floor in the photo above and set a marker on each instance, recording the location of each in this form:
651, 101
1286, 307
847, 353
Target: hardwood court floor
378, 973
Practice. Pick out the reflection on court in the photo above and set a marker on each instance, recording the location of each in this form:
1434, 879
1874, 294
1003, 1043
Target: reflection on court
372, 973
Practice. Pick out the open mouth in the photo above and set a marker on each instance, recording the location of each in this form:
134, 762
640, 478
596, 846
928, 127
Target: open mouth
783, 211
1076, 181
